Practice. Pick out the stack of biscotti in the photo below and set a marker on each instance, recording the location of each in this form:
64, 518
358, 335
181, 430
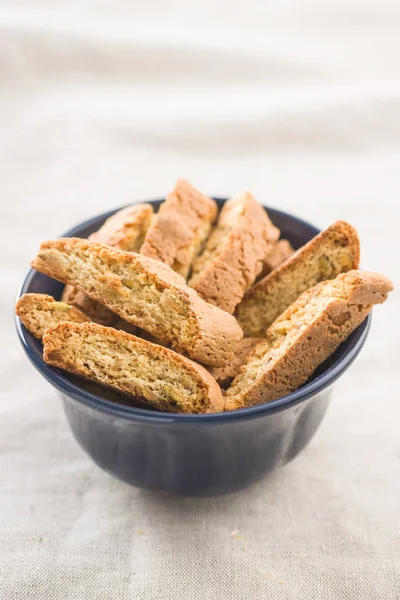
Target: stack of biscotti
234, 254
150, 299
180, 228
334, 251
144, 292
304, 336
147, 294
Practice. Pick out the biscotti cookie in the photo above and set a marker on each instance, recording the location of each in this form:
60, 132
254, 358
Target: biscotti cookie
40, 311
305, 335
180, 228
279, 253
146, 293
167, 380
225, 375
335, 250
124, 230
234, 253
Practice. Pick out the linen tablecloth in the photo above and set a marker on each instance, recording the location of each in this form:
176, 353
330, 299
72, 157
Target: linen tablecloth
105, 103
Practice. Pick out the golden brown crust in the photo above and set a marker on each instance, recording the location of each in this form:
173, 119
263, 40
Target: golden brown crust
146, 293
167, 380
225, 375
335, 250
305, 335
40, 311
234, 253
359, 287
180, 228
124, 230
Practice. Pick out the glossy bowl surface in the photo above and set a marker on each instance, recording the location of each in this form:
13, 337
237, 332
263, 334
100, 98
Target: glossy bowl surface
190, 455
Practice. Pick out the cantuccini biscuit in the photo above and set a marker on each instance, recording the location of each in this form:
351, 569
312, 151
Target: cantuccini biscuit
305, 335
124, 230
335, 250
146, 293
165, 379
180, 228
234, 253
40, 311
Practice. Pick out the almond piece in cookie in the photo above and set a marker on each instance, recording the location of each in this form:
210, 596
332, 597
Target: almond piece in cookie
146, 293
40, 311
234, 253
225, 375
180, 228
165, 379
335, 250
305, 335
124, 230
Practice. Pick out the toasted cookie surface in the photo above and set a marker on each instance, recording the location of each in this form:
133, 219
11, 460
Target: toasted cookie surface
180, 228
40, 311
165, 379
234, 253
124, 230
146, 293
305, 335
335, 250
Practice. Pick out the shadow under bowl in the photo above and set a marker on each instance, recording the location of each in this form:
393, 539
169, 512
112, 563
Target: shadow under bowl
190, 455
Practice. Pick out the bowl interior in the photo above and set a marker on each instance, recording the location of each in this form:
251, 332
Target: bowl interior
298, 232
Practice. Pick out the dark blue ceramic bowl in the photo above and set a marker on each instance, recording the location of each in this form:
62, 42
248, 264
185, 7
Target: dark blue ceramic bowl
191, 455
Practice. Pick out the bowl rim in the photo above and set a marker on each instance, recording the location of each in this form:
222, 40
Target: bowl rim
65, 386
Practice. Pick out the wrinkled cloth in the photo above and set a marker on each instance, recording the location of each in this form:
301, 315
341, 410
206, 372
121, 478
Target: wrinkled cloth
105, 103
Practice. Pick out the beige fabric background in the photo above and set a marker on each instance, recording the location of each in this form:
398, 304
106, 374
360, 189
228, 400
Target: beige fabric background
104, 103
